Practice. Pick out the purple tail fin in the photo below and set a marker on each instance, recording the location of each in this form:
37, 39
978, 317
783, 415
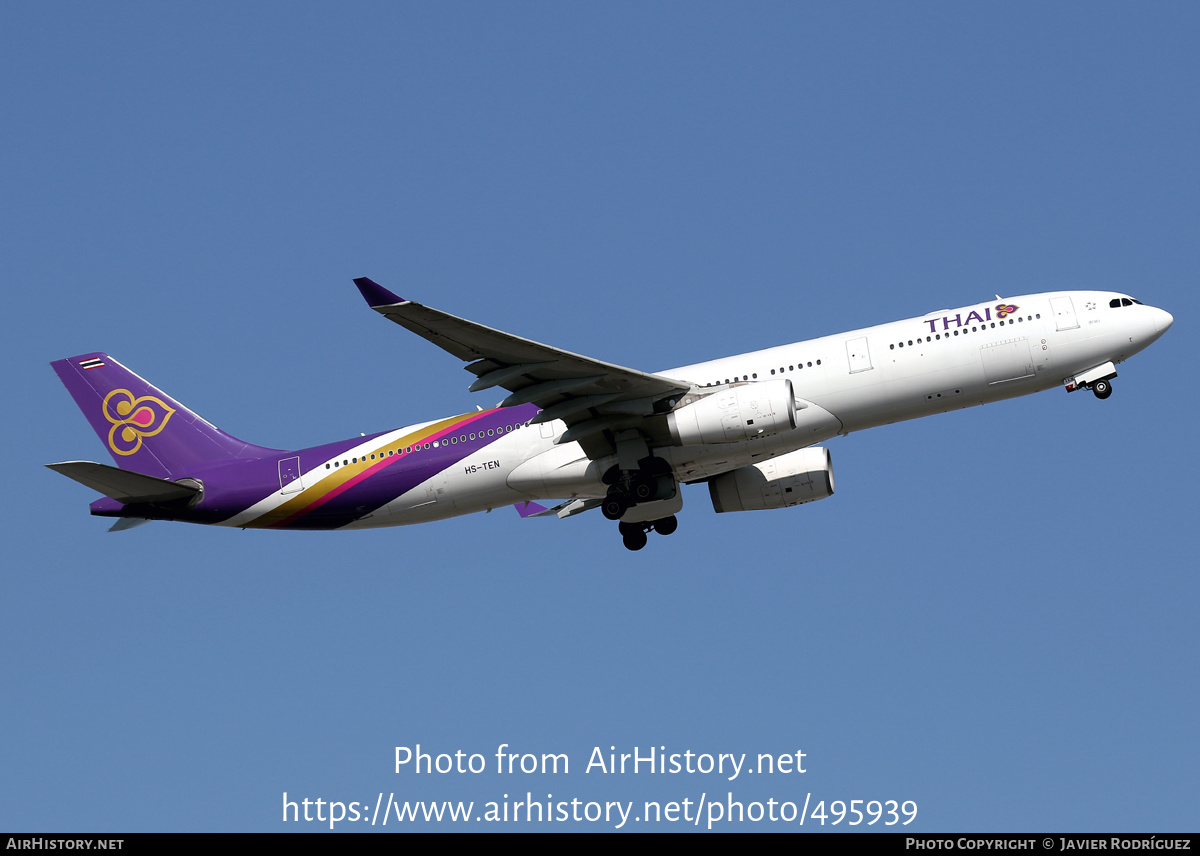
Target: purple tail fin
143, 428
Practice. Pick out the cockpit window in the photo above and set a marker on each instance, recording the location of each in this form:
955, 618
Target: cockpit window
1118, 302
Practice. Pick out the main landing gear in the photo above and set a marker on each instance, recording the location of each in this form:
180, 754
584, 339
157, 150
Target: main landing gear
651, 482
1102, 389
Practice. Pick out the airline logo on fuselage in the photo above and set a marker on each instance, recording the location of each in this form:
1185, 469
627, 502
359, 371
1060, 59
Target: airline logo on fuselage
133, 418
1003, 310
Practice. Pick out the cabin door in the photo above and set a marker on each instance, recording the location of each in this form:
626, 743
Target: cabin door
1064, 313
859, 355
289, 475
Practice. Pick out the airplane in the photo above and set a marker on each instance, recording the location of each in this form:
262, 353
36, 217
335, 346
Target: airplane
592, 434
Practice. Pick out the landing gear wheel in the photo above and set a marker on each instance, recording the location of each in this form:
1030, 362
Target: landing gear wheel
635, 540
614, 505
643, 487
667, 525
629, 528
1102, 389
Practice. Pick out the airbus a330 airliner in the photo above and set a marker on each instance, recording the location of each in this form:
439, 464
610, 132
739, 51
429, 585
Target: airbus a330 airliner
592, 434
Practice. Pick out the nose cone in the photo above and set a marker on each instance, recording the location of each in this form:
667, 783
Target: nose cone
1162, 321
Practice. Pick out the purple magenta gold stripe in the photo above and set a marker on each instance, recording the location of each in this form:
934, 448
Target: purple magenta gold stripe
333, 486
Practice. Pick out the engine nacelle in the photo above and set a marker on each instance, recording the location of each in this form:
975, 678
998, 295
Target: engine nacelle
801, 476
739, 413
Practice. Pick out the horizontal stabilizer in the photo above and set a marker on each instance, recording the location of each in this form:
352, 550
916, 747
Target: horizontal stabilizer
124, 486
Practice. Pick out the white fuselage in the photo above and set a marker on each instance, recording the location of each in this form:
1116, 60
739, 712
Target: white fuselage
942, 361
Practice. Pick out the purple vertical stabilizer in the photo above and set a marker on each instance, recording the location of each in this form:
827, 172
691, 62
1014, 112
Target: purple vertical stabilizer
143, 428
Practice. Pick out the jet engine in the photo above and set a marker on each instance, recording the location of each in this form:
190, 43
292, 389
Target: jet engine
735, 414
801, 476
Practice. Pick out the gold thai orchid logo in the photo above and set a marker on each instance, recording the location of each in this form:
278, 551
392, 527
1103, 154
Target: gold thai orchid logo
133, 418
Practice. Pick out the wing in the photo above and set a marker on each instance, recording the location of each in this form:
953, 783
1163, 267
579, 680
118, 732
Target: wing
591, 396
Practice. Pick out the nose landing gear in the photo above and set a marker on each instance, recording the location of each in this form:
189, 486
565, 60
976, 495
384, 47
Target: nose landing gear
1098, 380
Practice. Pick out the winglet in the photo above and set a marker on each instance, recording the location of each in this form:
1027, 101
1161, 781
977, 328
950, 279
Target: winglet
375, 294
530, 509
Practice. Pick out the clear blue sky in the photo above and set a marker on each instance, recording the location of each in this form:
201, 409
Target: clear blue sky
995, 616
